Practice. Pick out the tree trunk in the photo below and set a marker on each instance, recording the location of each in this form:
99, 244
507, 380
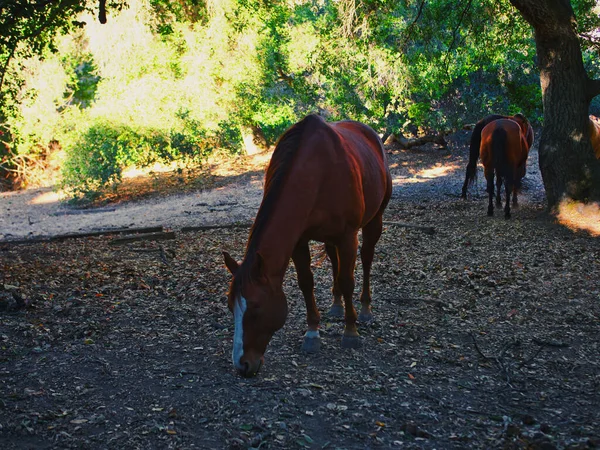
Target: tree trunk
567, 162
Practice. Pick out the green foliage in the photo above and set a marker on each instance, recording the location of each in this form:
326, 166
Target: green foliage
165, 81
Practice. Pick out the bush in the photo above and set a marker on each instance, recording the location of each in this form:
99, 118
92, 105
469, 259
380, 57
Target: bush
97, 159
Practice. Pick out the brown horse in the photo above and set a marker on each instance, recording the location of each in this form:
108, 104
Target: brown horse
325, 182
595, 136
504, 151
474, 147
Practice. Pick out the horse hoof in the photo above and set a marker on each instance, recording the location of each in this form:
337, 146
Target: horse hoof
507, 216
365, 317
351, 341
490, 213
336, 312
311, 345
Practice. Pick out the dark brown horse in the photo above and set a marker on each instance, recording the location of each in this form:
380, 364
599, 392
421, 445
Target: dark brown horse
595, 135
504, 151
325, 182
474, 147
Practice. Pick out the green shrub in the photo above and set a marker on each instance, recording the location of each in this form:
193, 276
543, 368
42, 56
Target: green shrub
96, 159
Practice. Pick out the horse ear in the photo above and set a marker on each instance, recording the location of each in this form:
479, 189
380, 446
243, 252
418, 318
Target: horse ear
231, 263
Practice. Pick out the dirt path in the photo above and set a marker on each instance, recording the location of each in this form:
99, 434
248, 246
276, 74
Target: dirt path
38, 212
420, 175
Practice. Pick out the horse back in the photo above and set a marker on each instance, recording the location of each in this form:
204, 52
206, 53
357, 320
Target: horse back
503, 136
344, 165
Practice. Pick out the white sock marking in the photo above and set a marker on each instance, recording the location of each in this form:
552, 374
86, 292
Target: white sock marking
239, 308
311, 334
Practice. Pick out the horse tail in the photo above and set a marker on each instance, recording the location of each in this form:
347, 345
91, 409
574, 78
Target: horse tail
499, 155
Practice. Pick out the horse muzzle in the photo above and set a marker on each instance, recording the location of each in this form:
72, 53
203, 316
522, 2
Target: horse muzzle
250, 367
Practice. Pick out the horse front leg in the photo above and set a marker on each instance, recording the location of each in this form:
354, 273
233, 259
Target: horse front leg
347, 250
489, 176
301, 258
371, 234
337, 307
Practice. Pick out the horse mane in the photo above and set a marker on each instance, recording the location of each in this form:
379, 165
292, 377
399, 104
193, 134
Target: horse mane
277, 172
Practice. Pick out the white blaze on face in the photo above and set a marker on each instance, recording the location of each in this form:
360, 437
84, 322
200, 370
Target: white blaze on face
239, 308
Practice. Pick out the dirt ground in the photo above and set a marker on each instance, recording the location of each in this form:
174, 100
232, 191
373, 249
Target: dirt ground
486, 333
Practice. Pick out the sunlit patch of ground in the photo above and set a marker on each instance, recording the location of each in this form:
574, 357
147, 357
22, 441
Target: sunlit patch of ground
424, 175
579, 216
46, 198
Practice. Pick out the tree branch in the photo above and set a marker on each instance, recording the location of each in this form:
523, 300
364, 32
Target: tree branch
412, 24
454, 34
6, 64
102, 12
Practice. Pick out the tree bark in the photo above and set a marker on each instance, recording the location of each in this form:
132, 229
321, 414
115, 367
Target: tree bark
567, 162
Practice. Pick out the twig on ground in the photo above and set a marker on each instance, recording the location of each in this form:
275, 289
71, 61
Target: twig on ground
165, 235
497, 358
528, 360
557, 344
483, 355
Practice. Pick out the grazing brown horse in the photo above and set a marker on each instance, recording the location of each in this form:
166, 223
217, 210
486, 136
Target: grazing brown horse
595, 136
474, 147
325, 182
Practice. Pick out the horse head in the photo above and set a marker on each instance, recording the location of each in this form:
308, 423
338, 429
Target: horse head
259, 309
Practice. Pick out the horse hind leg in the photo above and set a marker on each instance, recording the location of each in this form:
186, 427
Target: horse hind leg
489, 176
337, 307
498, 190
517, 186
301, 258
347, 258
371, 233
509, 188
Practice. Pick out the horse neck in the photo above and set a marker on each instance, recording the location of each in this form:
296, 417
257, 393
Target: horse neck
275, 242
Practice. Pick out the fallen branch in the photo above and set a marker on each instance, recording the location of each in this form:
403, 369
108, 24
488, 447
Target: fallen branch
165, 235
71, 212
62, 237
407, 143
216, 227
424, 229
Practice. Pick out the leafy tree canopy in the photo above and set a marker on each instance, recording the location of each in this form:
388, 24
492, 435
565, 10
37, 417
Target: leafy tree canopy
209, 70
